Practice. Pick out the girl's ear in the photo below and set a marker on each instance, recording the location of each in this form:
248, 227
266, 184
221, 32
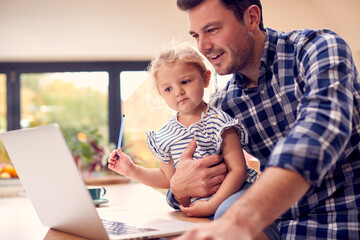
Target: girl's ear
207, 76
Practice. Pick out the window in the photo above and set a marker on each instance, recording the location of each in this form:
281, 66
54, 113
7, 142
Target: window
82, 97
77, 101
3, 124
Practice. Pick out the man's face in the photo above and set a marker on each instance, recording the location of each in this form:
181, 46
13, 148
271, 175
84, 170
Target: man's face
221, 38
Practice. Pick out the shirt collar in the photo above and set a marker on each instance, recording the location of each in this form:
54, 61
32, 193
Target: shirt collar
268, 55
267, 58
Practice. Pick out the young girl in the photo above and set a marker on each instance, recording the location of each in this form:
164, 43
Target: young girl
180, 76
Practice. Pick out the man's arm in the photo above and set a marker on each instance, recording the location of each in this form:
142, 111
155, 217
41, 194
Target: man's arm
264, 202
198, 178
273, 194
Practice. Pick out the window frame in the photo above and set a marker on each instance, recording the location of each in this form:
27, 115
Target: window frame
13, 70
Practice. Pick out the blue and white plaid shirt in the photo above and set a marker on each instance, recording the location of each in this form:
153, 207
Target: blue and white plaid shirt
304, 116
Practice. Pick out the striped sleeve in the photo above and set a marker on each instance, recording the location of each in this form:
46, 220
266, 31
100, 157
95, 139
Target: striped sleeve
161, 154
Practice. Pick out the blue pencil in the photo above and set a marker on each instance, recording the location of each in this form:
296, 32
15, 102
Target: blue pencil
120, 134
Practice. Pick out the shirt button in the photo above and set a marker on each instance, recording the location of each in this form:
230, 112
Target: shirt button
206, 114
273, 123
216, 116
262, 92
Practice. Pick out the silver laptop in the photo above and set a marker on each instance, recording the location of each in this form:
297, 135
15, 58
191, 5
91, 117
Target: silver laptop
52, 181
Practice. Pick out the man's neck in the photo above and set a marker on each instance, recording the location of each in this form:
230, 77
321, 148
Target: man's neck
252, 75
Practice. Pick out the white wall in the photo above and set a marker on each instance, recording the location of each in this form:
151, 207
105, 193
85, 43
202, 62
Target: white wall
341, 16
33, 30
63, 30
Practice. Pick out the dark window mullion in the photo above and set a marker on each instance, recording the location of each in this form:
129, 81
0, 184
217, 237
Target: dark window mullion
114, 104
13, 100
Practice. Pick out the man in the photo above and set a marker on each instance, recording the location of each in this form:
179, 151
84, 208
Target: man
297, 95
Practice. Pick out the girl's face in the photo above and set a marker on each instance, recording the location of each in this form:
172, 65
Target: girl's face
182, 86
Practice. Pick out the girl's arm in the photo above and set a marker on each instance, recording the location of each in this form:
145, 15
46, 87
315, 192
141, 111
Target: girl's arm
235, 161
153, 177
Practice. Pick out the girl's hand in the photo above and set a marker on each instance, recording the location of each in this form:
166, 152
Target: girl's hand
200, 208
123, 165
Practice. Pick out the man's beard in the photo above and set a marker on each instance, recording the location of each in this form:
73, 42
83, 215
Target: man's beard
242, 59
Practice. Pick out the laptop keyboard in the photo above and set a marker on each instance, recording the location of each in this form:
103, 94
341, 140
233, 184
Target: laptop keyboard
118, 228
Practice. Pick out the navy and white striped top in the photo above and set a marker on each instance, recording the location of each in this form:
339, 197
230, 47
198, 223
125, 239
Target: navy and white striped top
173, 137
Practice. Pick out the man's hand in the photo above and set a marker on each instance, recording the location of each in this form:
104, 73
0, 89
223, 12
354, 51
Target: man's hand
219, 229
196, 178
250, 214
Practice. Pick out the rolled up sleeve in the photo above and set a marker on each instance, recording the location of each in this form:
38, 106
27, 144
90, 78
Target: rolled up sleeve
324, 121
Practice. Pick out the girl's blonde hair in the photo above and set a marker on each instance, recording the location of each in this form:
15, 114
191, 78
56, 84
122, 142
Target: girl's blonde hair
175, 54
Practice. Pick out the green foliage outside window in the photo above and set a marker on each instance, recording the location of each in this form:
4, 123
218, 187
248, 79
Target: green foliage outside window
79, 110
